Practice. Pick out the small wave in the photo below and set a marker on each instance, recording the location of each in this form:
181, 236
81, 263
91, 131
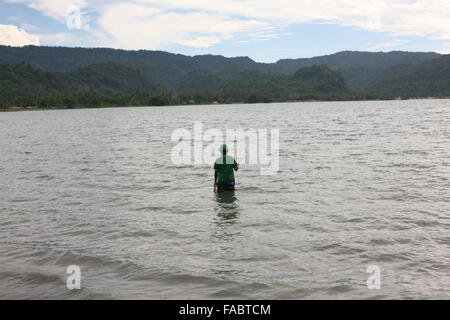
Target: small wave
45, 177
380, 242
415, 152
250, 188
392, 257
150, 208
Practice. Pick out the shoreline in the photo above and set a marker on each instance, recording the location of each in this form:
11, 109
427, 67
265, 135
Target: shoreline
29, 109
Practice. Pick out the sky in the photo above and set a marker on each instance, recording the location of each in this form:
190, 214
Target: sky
264, 30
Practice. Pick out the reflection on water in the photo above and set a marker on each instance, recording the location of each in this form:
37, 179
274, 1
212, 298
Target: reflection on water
227, 208
227, 211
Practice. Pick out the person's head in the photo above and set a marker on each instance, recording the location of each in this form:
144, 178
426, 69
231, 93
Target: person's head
224, 149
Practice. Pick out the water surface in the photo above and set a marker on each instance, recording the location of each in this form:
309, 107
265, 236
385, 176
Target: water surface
360, 184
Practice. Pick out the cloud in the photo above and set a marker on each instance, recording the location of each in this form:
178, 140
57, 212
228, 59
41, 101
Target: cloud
155, 24
11, 35
56, 9
402, 16
444, 51
263, 35
383, 45
134, 26
29, 27
205, 22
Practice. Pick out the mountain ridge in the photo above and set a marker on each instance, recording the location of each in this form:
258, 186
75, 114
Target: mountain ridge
168, 69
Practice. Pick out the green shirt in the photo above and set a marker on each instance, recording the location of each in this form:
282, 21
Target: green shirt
225, 166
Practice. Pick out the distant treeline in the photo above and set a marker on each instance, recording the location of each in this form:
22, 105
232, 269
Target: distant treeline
113, 84
93, 99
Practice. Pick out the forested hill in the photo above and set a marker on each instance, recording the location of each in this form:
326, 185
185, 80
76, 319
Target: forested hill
359, 69
117, 84
429, 79
356, 59
106, 78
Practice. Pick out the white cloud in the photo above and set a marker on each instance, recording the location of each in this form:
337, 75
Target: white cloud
56, 9
134, 26
155, 24
390, 15
444, 51
262, 35
384, 45
206, 22
11, 35
29, 27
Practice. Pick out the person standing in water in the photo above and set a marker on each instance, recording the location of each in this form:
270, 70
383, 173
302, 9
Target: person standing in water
224, 168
